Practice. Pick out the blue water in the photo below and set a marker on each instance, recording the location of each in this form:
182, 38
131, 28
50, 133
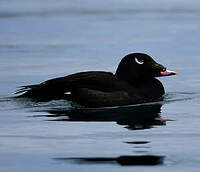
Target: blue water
40, 40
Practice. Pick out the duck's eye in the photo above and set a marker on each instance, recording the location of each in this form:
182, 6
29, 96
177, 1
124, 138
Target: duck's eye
139, 60
164, 69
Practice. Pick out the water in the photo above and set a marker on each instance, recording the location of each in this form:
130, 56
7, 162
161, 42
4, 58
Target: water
45, 39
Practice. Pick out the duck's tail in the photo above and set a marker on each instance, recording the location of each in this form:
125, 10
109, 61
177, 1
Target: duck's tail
25, 91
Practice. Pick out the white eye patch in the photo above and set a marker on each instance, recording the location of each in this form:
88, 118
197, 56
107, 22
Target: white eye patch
139, 61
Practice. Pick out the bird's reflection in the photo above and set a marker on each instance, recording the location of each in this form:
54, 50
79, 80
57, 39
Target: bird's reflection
132, 117
121, 160
135, 117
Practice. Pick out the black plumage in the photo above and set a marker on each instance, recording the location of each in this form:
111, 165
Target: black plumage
134, 82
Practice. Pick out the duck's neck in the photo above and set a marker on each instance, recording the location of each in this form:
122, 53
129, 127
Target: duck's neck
151, 89
148, 87
134, 79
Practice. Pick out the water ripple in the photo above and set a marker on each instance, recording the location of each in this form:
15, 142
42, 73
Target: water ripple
81, 12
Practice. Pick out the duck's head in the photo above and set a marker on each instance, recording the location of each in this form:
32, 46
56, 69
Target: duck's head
140, 67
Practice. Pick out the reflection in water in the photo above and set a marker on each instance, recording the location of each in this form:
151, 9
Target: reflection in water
121, 160
137, 142
132, 117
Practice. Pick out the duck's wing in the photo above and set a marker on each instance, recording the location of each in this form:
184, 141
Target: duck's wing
95, 98
58, 87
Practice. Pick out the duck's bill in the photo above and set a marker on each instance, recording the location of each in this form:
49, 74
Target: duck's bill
168, 73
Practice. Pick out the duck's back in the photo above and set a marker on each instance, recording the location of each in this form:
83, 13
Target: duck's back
95, 80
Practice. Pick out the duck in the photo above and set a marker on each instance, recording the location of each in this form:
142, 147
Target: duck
134, 82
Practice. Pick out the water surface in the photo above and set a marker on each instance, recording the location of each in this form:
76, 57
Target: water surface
45, 39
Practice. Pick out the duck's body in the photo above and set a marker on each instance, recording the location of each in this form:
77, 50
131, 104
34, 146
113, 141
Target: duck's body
100, 89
